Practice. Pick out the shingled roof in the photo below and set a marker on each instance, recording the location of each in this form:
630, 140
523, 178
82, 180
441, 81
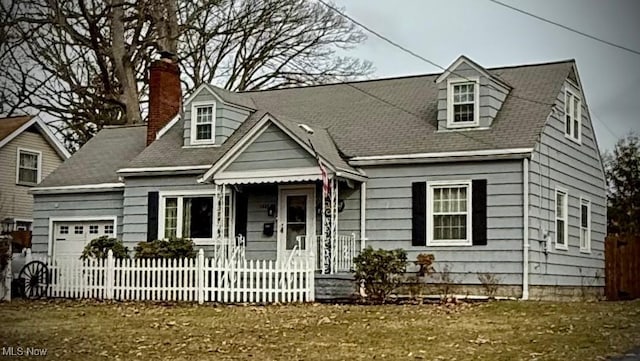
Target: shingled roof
99, 159
11, 124
364, 118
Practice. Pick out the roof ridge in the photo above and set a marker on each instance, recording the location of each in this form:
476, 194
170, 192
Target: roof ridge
116, 126
403, 77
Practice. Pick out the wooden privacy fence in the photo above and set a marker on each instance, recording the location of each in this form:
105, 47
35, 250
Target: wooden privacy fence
191, 279
622, 267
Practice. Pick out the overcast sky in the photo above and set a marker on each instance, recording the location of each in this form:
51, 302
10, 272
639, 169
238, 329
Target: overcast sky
491, 35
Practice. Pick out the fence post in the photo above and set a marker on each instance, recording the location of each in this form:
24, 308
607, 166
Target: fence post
109, 276
200, 276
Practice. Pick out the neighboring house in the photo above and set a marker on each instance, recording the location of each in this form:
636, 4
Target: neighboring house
28, 153
494, 171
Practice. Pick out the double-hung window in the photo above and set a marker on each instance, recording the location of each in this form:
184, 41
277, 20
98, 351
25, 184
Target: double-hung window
203, 123
585, 225
29, 165
562, 227
449, 213
192, 217
462, 105
573, 116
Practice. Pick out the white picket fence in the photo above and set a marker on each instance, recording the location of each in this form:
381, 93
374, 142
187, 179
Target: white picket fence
191, 279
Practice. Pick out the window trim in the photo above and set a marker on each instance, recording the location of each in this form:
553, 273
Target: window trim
585, 201
476, 102
445, 243
570, 94
38, 170
565, 209
162, 197
193, 130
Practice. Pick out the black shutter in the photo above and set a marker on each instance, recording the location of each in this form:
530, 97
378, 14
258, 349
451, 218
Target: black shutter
152, 216
419, 214
242, 208
479, 211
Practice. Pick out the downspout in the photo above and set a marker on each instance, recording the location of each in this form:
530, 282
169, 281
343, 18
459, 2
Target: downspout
363, 214
525, 230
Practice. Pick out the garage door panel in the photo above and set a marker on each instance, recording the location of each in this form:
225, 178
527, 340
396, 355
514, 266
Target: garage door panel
70, 237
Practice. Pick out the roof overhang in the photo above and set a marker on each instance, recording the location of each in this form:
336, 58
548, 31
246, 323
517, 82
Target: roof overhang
83, 188
440, 157
147, 171
46, 132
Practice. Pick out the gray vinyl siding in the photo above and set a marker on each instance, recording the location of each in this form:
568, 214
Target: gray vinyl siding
46, 206
136, 194
15, 199
492, 95
259, 246
273, 149
560, 162
349, 218
228, 118
389, 219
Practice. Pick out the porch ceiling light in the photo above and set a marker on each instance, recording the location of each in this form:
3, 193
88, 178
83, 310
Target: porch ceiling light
306, 128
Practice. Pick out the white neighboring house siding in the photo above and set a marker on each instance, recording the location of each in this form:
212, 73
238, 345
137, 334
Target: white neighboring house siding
562, 163
15, 200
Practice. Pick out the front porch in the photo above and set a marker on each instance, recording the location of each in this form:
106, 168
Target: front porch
282, 223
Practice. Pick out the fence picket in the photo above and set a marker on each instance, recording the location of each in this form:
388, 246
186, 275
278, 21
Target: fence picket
199, 279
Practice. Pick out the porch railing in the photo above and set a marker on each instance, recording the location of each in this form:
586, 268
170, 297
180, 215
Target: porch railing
231, 249
344, 248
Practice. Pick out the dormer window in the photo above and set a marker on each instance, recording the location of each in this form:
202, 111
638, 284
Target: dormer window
203, 123
462, 104
573, 116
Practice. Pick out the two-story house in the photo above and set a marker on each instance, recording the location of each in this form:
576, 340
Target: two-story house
494, 171
29, 151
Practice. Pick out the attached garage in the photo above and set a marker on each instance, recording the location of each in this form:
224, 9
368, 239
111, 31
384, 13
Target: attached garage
70, 236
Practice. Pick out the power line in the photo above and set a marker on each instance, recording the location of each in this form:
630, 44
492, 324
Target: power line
566, 27
414, 54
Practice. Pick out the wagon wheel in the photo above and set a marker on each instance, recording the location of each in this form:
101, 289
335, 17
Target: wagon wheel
35, 276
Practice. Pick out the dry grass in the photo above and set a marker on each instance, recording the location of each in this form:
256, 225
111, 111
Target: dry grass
488, 331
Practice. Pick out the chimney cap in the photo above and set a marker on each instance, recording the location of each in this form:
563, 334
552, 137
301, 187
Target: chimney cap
167, 56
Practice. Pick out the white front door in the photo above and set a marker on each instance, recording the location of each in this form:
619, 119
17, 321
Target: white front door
296, 221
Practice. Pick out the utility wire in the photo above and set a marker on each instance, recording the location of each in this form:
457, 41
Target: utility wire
566, 27
416, 55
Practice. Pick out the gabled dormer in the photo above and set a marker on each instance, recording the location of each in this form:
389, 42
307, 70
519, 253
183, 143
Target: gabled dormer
469, 97
212, 114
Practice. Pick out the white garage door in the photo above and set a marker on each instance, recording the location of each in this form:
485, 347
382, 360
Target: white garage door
70, 237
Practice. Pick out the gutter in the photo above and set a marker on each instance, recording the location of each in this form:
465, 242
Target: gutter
525, 230
83, 188
488, 154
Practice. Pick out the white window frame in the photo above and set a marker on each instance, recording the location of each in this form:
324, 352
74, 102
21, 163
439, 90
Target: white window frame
97, 228
565, 211
476, 102
38, 171
430, 223
585, 245
193, 135
569, 96
112, 229
180, 195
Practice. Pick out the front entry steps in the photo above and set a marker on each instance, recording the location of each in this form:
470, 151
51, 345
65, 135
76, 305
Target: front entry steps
340, 287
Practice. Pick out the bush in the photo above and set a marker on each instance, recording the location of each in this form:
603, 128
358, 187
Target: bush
160, 248
380, 271
99, 247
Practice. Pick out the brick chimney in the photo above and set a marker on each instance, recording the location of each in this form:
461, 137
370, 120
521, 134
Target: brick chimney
165, 94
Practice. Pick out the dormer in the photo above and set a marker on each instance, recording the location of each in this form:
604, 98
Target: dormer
469, 97
212, 114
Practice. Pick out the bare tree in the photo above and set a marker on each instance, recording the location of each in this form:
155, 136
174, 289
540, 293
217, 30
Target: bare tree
84, 62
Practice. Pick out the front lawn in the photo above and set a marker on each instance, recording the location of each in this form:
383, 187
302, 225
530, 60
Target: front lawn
485, 331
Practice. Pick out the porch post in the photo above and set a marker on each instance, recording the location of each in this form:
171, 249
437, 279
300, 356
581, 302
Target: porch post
334, 223
328, 226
